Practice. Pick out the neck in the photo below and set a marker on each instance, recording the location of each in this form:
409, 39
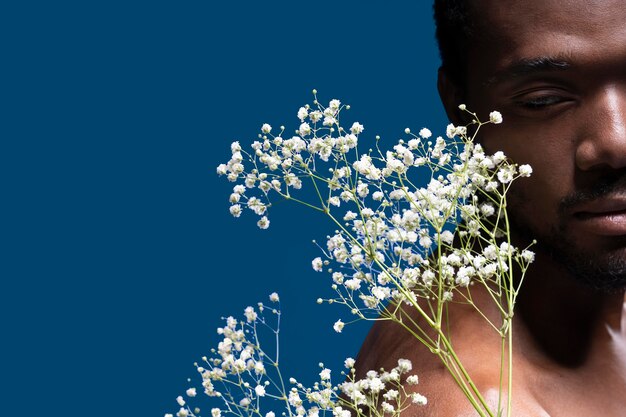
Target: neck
564, 322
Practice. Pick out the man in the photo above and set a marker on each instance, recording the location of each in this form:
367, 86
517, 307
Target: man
556, 70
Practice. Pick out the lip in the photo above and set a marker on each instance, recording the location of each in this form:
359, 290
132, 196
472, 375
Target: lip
604, 217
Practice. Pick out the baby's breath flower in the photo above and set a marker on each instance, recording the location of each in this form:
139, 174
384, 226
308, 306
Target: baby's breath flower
495, 117
304, 129
404, 365
302, 113
412, 380
505, 175
235, 210
263, 223
528, 255
357, 128
384, 248
260, 390
251, 315
425, 133
525, 170
317, 264
325, 374
216, 412
338, 326
418, 399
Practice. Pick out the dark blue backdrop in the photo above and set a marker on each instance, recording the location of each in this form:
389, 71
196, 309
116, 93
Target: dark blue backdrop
119, 253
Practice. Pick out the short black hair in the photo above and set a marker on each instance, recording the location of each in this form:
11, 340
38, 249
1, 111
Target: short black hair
454, 29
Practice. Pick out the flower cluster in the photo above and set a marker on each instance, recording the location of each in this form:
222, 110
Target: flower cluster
389, 219
240, 374
420, 225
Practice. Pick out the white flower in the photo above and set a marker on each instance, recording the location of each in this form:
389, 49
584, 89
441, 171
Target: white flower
391, 394
222, 169
447, 237
182, 412
302, 113
259, 368
266, 128
250, 314
419, 399
325, 374
487, 210
337, 277
404, 365
525, 170
180, 400
216, 412
270, 414
412, 380
317, 264
378, 195
495, 117
274, 297
353, 284
356, 128
263, 223
425, 133
260, 390
349, 216
235, 210
505, 174
191, 392
388, 408
349, 363
498, 157
528, 255
450, 131
334, 104
376, 385
316, 116
338, 326
304, 129
381, 293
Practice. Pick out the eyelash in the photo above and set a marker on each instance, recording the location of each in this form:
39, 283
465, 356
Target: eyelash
540, 102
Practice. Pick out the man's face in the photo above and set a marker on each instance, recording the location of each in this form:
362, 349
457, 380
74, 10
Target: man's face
556, 70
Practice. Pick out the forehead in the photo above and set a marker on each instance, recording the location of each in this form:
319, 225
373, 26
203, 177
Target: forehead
584, 31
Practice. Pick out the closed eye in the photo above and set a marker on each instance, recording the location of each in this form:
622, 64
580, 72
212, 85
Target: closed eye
540, 102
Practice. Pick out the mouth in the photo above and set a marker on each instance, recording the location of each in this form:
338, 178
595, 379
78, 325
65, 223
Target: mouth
603, 217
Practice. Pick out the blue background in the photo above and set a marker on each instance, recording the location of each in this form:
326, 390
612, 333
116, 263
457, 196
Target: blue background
119, 255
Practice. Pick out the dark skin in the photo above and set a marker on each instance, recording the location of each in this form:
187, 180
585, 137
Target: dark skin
556, 70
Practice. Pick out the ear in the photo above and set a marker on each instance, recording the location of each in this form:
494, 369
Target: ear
451, 97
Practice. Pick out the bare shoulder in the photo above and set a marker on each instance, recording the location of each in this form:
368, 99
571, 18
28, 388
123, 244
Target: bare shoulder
387, 342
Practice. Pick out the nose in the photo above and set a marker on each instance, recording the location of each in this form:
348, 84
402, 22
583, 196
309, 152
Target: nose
604, 142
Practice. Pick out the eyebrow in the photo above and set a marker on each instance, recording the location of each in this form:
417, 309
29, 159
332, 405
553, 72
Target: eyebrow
528, 66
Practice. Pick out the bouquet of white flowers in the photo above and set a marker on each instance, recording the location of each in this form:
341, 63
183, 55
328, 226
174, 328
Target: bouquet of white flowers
417, 227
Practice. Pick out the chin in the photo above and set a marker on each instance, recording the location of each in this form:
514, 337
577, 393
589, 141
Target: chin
601, 269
